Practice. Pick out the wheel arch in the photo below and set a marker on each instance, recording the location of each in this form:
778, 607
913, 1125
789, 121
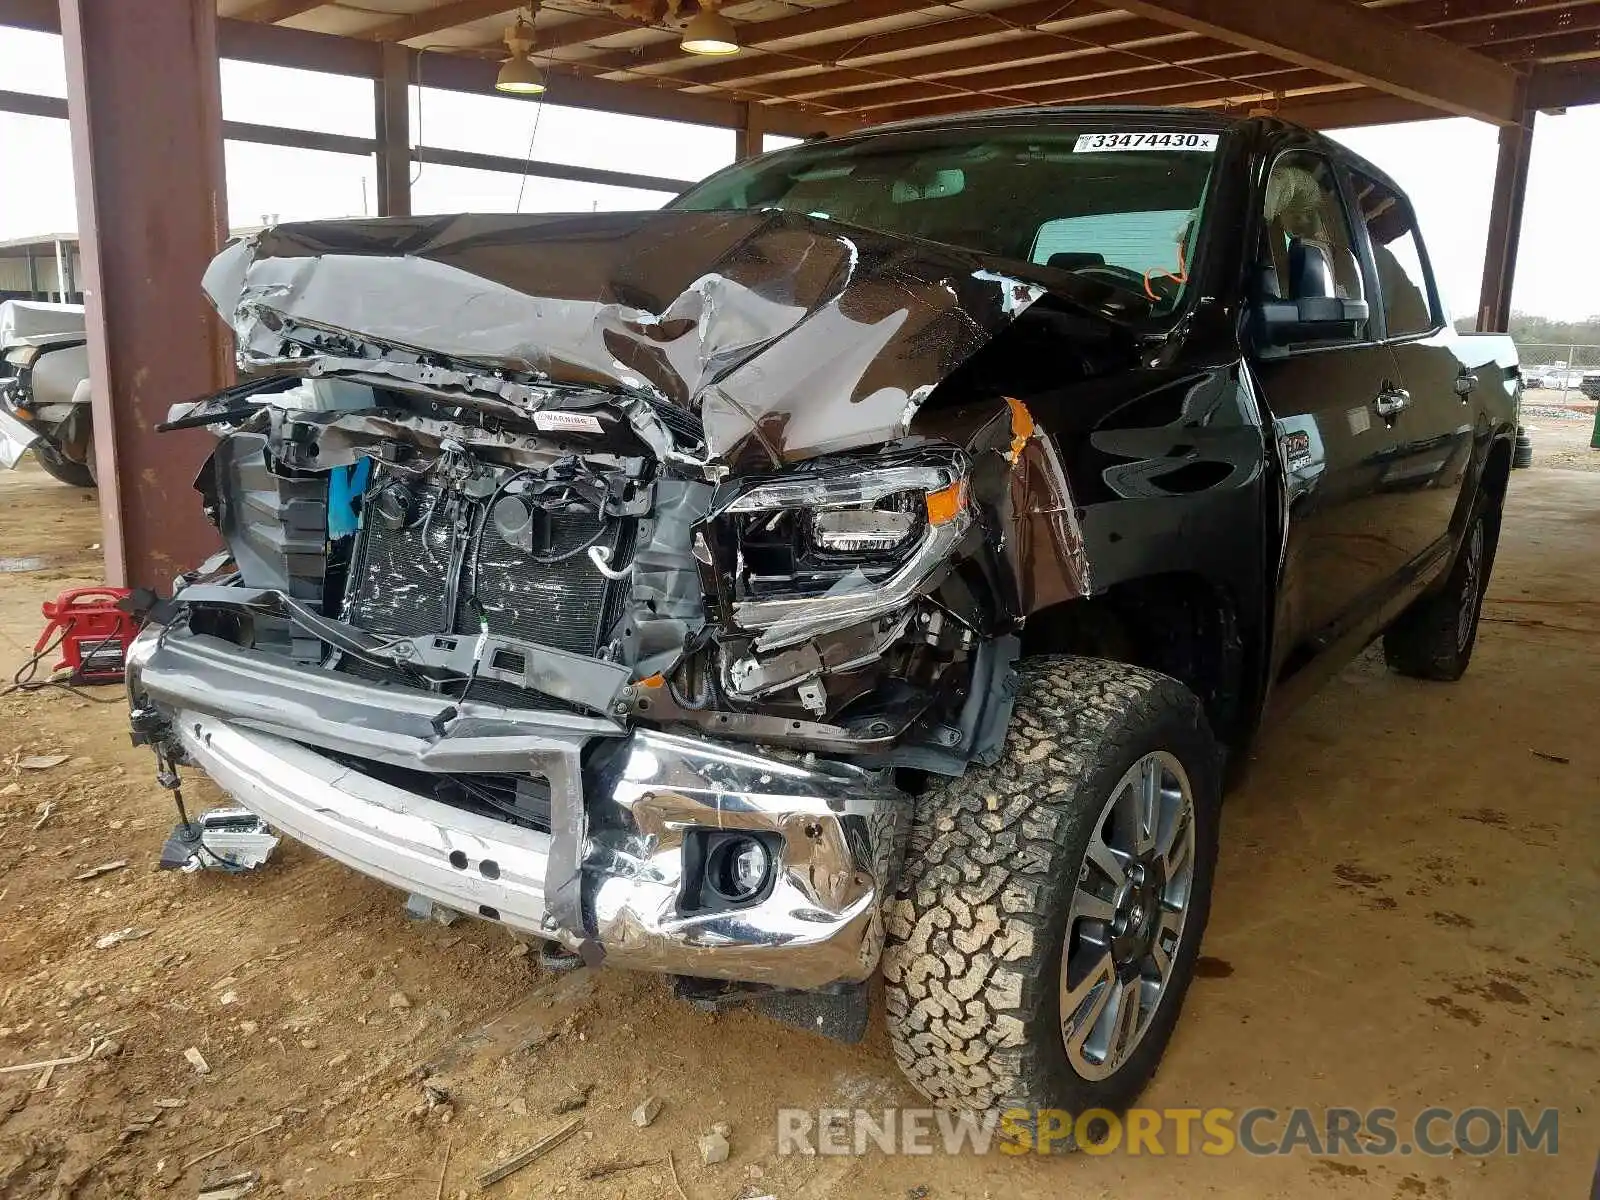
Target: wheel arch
1182, 623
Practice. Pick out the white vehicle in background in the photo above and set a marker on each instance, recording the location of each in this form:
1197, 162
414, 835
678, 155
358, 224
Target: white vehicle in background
44, 389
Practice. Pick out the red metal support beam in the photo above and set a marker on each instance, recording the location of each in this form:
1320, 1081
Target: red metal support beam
1505, 226
392, 108
145, 111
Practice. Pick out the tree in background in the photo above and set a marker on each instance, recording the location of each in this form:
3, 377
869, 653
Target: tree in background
1528, 329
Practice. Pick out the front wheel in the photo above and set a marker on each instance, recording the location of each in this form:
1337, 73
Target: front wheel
58, 466
1052, 905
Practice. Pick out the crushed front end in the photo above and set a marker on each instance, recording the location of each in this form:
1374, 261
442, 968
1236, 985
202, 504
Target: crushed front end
587, 575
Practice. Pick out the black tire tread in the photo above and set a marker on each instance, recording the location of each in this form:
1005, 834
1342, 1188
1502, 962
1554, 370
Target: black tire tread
59, 467
969, 958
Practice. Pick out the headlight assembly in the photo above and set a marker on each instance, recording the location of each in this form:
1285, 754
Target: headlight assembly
827, 548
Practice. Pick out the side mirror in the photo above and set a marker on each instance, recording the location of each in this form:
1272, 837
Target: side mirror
1313, 313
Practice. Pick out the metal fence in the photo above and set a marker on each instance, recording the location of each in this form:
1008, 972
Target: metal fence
1554, 375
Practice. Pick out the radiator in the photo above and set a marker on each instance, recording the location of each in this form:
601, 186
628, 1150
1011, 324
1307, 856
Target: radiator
405, 580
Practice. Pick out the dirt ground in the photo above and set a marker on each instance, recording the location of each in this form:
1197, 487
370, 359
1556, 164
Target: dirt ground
1406, 915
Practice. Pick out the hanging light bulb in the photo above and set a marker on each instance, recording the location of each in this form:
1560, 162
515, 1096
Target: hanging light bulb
518, 75
709, 32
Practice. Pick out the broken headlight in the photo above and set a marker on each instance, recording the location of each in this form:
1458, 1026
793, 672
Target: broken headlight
829, 547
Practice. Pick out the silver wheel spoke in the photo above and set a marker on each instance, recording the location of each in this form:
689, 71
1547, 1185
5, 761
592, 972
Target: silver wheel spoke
1083, 1006
1087, 905
1136, 809
1126, 1023
1168, 930
1176, 854
1106, 859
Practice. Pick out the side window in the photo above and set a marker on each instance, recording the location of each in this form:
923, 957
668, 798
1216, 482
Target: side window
1403, 280
1305, 227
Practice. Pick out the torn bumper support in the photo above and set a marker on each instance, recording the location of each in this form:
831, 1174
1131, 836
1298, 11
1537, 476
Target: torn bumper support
16, 439
615, 875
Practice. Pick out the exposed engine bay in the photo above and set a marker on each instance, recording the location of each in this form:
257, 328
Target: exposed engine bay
403, 544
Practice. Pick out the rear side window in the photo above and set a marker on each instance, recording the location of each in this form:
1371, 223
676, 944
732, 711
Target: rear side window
1404, 284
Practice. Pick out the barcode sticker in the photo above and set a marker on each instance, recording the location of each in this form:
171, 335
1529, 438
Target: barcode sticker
1109, 143
566, 422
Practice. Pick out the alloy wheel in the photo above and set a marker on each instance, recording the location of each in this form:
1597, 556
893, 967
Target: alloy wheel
1127, 916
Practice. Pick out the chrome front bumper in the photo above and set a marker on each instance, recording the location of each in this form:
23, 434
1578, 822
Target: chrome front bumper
608, 879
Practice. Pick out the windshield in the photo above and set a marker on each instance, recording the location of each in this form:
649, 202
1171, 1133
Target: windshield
1120, 205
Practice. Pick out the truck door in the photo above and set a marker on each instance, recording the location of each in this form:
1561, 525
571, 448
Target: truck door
1327, 398
1434, 444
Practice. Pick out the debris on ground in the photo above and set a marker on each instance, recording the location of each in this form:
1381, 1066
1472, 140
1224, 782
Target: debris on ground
229, 840
523, 1157
231, 1187
713, 1148
1553, 758
29, 1068
399, 1002
138, 1126
614, 1166
275, 1123
574, 1100
44, 810
751, 1192
197, 1060
647, 1112
107, 940
41, 762
102, 869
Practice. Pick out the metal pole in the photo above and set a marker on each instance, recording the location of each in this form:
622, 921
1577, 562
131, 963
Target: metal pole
144, 104
1505, 226
61, 275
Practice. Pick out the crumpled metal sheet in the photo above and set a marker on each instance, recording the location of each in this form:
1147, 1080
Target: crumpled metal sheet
788, 336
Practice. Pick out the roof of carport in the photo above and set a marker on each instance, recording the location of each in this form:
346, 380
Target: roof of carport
847, 62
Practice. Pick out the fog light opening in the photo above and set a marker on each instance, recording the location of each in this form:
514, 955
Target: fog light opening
739, 869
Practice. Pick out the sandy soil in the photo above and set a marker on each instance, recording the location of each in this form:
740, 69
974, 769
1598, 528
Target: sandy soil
1406, 915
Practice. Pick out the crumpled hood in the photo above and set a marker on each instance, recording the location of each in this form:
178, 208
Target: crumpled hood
788, 336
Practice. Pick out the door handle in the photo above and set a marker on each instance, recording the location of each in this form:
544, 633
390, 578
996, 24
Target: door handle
1465, 382
1391, 402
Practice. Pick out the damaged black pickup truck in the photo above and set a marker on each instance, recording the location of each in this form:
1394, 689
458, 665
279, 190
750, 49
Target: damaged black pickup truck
875, 559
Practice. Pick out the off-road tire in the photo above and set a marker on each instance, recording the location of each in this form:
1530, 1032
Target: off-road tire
976, 933
1428, 641
59, 466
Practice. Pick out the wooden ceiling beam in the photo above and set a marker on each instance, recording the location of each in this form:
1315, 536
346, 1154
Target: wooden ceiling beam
1039, 58
754, 35
1546, 49
270, 12
1293, 79
434, 20
1360, 46
1352, 109
854, 48
1564, 85
1066, 88
1524, 27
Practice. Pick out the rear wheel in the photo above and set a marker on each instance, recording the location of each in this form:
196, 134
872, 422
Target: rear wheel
1052, 907
59, 466
1434, 639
